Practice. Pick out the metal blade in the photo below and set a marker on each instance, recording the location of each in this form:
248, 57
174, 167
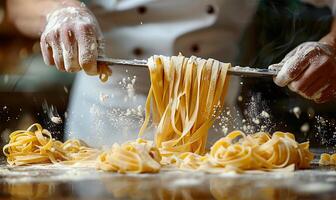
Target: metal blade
251, 72
112, 61
236, 70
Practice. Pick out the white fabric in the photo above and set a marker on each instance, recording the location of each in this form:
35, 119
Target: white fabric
166, 27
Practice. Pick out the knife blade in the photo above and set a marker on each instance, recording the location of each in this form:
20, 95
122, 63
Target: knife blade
236, 70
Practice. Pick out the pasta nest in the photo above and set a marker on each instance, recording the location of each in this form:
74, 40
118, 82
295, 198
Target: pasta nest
259, 151
36, 145
133, 157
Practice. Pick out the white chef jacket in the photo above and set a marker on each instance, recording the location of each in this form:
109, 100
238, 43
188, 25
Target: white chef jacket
104, 113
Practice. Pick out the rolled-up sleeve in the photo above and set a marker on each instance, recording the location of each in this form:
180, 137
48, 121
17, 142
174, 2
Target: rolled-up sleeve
323, 3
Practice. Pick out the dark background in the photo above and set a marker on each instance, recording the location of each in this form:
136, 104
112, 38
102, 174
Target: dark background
278, 27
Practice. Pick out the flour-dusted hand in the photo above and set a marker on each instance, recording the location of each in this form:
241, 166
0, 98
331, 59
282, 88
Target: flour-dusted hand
72, 40
309, 70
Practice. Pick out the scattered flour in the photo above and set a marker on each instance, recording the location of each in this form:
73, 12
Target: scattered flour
128, 84
264, 114
187, 182
56, 120
103, 97
305, 127
297, 111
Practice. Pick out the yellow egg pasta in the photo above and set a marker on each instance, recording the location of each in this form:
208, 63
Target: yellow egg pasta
240, 152
131, 157
104, 72
259, 151
186, 96
36, 146
327, 159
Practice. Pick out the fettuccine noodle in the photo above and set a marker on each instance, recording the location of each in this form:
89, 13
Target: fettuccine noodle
36, 146
186, 95
184, 161
240, 152
104, 72
259, 151
132, 157
327, 159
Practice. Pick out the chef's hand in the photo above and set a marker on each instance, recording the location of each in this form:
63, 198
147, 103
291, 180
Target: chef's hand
310, 70
72, 40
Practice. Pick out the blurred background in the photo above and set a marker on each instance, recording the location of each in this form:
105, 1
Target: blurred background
30, 90
276, 28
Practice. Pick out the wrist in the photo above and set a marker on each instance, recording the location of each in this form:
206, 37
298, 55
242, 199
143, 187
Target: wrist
329, 39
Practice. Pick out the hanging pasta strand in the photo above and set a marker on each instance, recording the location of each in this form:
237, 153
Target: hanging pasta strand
185, 92
104, 72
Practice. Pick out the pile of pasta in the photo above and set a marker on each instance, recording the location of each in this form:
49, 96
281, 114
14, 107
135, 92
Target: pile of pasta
185, 98
327, 159
235, 152
37, 146
239, 152
132, 157
260, 151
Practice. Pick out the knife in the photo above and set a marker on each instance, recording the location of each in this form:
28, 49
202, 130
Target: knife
236, 70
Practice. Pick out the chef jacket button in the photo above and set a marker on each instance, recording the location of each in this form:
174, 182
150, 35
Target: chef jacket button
137, 51
210, 9
195, 48
142, 9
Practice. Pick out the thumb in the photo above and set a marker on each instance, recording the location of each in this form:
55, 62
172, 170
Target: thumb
276, 67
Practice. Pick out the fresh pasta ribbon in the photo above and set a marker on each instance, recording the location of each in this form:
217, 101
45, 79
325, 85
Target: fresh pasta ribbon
240, 152
104, 72
186, 95
327, 159
36, 146
131, 157
259, 151
184, 161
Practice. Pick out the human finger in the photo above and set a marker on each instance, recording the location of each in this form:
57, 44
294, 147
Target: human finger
87, 48
69, 50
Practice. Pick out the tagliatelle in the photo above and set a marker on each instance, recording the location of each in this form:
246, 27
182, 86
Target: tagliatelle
239, 152
259, 151
184, 161
36, 146
131, 157
186, 95
104, 72
327, 159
